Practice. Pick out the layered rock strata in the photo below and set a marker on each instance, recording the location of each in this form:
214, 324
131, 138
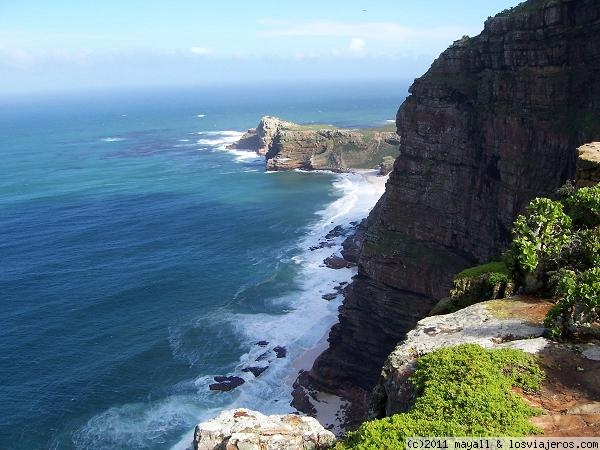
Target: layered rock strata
288, 146
492, 124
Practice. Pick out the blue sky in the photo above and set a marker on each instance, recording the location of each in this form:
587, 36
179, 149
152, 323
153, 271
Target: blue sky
67, 44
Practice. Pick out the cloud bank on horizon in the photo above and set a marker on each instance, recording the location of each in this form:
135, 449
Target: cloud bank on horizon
63, 44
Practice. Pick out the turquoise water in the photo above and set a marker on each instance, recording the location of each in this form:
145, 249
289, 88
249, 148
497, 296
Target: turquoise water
139, 258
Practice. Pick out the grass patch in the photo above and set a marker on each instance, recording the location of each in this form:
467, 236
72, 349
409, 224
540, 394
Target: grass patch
491, 267
460, 391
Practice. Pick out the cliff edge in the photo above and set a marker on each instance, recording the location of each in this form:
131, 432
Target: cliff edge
492, 124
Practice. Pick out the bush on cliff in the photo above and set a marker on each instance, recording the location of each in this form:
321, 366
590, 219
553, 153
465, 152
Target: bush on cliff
556, 248
540, 236
578, 306
460, 391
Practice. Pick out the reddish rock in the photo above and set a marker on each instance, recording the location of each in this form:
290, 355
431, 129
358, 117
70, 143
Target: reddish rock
336, 262
495, 122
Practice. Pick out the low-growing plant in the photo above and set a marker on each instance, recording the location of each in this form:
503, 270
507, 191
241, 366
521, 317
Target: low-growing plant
460, 391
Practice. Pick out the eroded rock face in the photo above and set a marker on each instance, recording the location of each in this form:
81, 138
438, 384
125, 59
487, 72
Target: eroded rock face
588, 164
516, 322
260, 138
328, 149
289, 146
569, 394
493, 123
242, 429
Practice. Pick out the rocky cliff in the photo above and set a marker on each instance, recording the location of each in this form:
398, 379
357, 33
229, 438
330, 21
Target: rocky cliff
288, 146
242, 429
588, 164
493, 123
568, 396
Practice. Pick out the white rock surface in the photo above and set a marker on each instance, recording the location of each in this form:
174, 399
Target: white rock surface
242, 429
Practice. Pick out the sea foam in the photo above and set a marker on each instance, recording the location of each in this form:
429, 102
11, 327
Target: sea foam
303, 321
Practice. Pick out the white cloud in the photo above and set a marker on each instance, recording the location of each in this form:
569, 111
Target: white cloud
202, 51
357, 45
15, 57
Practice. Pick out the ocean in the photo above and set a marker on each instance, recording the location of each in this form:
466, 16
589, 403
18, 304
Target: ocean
139, 258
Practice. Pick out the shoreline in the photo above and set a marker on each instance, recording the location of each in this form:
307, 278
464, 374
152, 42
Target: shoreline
360, 190
331, 409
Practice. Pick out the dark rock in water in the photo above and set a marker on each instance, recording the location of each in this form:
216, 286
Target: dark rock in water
256, 371
340, 287
329, 297
263, 356
280, 351
301, 398
322, 244
262, 343
336, 232
225, 384
336, 262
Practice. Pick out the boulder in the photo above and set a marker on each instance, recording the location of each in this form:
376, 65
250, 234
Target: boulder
242, 429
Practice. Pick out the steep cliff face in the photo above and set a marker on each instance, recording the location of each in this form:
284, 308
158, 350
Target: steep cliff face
495, 122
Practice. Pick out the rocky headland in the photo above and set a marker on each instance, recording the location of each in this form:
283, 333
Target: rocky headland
497, 120
288, 146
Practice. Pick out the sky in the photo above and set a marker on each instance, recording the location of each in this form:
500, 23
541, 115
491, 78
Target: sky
56, 45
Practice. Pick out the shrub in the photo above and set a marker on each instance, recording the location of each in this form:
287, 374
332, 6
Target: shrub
583, 252
583, 206
578, 305
541, 233
460, 391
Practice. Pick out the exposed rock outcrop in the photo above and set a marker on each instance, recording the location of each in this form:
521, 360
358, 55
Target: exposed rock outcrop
488, 324
260, 138
588, 165
242, 429
569, 393
493, 123
288, 146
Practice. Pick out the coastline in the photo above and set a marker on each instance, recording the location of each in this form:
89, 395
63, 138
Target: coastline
331, 410
303, 330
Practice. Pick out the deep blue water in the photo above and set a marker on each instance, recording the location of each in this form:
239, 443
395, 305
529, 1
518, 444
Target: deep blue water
138, 259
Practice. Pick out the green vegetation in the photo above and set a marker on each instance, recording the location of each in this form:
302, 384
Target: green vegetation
579, 301
460, 391
476, 284
486, 282
497, 267
555, 252
541, 234
556, 249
